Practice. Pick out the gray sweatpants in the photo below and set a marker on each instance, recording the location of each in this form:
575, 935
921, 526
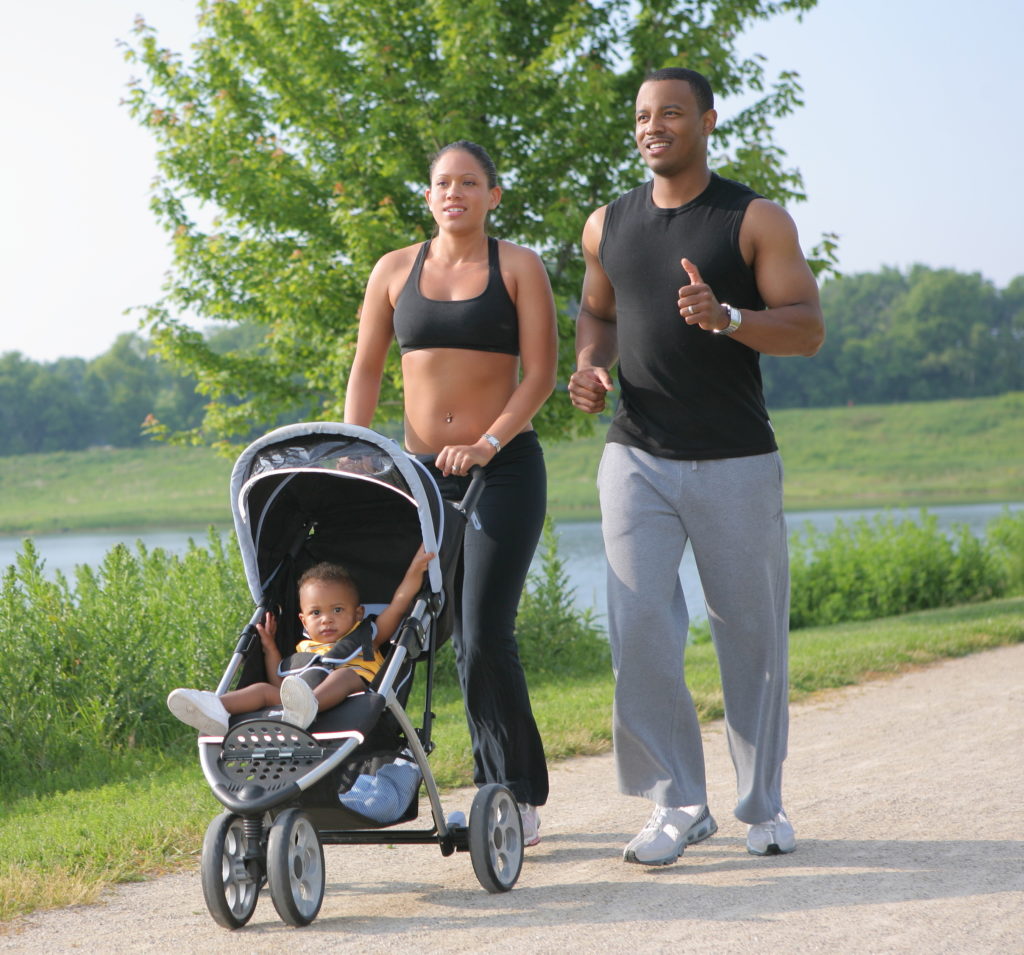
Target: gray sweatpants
731, 512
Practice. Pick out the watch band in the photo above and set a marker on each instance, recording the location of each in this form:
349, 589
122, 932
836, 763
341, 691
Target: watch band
735, 320
492, 441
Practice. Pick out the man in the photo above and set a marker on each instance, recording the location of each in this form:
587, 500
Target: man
689, 278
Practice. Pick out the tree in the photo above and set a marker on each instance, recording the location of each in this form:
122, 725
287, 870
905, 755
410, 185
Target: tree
294, 142
71, 403
924, 335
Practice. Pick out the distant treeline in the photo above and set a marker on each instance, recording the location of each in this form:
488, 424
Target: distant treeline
74, 403
891, 337
114, 399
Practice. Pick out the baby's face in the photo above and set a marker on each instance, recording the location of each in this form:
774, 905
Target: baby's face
329, 609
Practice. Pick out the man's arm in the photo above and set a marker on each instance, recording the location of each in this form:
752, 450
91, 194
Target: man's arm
596, 334
791, 322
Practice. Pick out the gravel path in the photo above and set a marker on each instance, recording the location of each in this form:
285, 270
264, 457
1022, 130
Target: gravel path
906, 796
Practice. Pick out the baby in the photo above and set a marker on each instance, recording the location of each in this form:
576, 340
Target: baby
330, 611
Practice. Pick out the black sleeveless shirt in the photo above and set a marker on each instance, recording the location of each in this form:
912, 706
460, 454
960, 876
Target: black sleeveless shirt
685, 393
488, 322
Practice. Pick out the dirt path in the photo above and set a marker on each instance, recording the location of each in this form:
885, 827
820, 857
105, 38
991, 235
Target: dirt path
906, 795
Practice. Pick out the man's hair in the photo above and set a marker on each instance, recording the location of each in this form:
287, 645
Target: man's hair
476, 151
698, 83
329, 573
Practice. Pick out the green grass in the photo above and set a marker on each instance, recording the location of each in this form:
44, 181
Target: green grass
65, 848
913, 455
910, 455
99, 489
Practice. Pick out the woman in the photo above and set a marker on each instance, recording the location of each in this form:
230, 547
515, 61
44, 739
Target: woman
475, 323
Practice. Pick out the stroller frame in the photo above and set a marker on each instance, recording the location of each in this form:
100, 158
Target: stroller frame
279, 784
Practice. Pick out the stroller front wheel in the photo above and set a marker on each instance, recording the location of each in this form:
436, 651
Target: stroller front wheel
295, 867
230, 870
495, 838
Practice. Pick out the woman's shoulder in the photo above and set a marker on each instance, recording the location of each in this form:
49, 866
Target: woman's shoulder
398, 258
517, 256
392, 269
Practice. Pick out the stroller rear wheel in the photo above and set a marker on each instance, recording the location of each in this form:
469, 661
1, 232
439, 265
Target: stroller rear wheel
295, 867
495, 838
230, 872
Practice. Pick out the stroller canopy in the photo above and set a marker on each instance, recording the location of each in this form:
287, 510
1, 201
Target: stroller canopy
337, 492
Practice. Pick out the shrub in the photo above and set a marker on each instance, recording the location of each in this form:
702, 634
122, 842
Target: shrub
880, 568
1005, 536
92, 665
556, 637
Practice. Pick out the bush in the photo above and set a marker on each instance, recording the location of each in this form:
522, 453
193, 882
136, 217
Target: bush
555, 637
1005, 536
881, 568
91, 666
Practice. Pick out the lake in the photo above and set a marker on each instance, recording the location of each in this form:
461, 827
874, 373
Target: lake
579, 546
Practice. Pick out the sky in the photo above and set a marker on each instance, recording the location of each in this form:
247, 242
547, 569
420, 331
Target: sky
910, 142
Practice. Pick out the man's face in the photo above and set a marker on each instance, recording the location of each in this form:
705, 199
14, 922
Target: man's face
671, 131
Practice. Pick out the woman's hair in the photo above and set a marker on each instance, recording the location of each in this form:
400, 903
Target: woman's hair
329, 573
698, 83
477, 152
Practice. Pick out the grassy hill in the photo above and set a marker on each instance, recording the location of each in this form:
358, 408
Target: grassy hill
943, 452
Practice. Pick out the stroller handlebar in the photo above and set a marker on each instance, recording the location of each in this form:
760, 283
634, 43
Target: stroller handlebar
477, 483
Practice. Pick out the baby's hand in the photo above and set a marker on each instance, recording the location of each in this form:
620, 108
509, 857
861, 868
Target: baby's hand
420, 560
268, 631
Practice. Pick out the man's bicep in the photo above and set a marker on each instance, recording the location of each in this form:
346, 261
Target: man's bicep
780, 269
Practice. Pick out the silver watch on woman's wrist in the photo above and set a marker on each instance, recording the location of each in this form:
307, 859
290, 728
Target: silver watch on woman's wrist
735, 320
492, 441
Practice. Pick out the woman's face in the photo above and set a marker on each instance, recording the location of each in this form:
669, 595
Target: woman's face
459, 197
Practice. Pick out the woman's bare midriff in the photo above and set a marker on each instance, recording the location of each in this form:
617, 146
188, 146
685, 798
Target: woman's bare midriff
453, 395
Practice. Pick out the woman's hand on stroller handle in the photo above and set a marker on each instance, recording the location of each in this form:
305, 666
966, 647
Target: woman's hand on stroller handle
460, 459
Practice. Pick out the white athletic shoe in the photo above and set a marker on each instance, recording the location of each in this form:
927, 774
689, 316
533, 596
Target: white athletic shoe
201, 709
771, 838
300, 705
668, 832
531, 824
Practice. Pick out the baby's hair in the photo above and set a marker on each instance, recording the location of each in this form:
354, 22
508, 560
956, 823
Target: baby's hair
329, 573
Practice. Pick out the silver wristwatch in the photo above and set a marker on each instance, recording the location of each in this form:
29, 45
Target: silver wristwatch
492, 441
735, 320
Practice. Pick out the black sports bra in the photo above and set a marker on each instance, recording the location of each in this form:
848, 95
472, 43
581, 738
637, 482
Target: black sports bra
488, 322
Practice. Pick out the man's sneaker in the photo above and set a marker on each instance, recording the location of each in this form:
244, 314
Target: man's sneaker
201, 709
299, 702
531, 824
771, 838
667, 833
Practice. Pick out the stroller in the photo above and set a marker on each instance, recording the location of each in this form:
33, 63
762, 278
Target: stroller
315, 492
